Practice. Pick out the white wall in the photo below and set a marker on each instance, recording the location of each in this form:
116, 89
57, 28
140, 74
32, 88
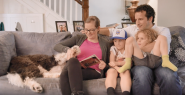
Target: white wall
109, 11
12, 7
154, 5
168, 12
171, 13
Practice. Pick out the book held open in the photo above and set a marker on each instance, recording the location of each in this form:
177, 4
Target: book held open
89, 61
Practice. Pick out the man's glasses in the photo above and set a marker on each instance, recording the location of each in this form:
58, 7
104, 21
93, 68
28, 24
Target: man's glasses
90, 30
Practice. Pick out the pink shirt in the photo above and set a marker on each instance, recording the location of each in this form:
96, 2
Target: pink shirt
89, 48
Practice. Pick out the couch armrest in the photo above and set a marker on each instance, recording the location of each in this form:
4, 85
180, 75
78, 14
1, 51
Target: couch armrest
7, 50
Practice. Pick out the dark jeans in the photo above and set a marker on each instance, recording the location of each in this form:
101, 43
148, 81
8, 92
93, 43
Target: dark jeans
144, 78
72, 76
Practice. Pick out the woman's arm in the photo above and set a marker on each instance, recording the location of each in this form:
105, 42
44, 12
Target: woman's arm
65, 45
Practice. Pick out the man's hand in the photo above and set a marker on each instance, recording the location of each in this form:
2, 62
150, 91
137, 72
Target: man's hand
102, 65
112, 64
115, 25
70, 53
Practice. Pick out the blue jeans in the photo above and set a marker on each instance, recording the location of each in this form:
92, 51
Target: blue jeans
144, 78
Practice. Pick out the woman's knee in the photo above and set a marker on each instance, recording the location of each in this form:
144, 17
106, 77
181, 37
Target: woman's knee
73, 61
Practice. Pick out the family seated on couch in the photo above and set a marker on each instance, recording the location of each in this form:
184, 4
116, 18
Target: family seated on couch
149, 51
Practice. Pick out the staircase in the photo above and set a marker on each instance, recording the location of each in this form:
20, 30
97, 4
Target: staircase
55, 10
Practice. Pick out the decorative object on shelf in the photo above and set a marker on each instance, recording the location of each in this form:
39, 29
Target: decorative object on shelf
78, 26
126, 24
126, 18
132, 8
61, 26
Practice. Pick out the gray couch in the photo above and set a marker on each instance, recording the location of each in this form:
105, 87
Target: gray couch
22, 43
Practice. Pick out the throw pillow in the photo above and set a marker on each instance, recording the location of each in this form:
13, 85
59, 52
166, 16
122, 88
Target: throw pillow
177, 51
7, 50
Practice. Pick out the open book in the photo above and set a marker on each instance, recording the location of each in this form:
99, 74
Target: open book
89, 61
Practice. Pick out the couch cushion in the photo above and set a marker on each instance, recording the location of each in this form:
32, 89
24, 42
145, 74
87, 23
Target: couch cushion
177, 51
38, 43
7, 50
177, 46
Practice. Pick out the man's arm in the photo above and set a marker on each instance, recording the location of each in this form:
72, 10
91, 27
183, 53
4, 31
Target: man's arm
104, 31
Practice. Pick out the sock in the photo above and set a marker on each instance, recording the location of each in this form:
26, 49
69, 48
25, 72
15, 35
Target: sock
167, 63
126, 93
110, 91
126, 66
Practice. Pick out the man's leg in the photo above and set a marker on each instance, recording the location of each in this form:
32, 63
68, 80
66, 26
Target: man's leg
168, 81
142, 80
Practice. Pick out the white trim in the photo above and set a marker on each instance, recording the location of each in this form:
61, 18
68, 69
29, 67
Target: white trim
60, 8
50, 4
71, 11
76, 10
44, 2
55, 6
65, 9
27, 5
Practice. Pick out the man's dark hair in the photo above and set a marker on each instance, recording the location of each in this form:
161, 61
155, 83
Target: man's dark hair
149, 11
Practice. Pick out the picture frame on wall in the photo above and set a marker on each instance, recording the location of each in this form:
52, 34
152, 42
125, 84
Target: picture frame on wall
126, 24
78, 26
61, 26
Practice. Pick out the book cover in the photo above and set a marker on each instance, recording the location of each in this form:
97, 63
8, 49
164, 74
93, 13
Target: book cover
89, 61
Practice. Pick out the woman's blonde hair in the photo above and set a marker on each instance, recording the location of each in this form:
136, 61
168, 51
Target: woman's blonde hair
149, 33
95, 19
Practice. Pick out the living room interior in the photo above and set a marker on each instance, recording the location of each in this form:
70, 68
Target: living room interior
168, 12
40, 16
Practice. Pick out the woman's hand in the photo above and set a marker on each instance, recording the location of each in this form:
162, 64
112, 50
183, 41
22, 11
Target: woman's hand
70, 54
112, 64
102, 65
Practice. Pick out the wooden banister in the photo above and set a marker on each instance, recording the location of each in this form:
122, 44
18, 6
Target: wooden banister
85, 8
79, 2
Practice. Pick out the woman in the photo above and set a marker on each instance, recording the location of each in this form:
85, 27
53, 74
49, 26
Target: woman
73, 74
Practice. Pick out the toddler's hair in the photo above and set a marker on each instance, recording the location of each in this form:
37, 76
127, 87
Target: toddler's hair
149, 33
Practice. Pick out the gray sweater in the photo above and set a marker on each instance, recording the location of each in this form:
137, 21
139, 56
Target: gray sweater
78, 40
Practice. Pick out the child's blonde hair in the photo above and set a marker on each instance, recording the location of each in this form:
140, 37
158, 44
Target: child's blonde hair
149, 33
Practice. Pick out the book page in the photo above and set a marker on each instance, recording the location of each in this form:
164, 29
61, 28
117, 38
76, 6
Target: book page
89, 61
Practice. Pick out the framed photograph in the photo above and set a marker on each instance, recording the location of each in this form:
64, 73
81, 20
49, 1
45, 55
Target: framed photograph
126, 24
78, 26
61, 26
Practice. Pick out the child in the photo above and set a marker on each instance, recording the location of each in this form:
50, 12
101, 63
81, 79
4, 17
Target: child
117, 56
147, 51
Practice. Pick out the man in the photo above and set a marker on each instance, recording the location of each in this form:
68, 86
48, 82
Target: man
143, 77
62, 28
